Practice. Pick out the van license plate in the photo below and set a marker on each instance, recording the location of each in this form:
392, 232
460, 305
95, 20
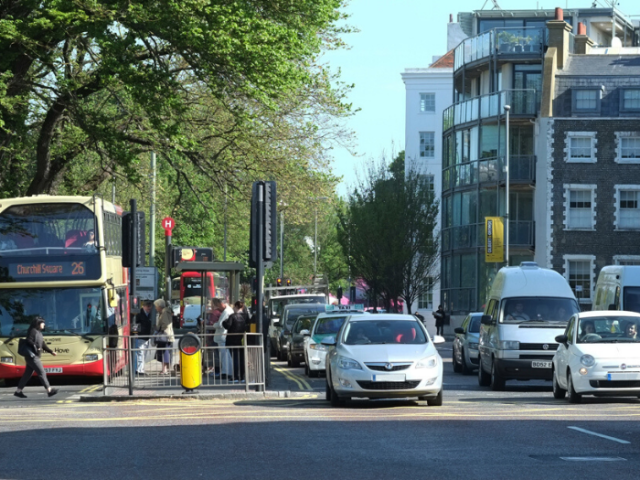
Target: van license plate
53, 370
535, 364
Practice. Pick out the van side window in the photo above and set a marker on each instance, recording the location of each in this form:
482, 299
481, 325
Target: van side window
617, 298
492, 309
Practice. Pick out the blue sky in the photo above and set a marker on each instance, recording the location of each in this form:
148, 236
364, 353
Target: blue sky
394, 35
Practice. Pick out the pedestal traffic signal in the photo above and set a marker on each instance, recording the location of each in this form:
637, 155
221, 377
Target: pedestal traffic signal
288, 282
278, 282
339, 293
129, 223
352, 294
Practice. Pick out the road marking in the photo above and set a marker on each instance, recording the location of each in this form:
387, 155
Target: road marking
303, 385
589, 432
594, 459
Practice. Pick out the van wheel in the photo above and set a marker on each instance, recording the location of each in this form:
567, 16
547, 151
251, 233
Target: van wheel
465, 368
497, 380
558, 392
484, 379
457, 368
574, 397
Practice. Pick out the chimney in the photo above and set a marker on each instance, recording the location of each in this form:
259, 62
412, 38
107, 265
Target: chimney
451, 18
582, 43
559, 37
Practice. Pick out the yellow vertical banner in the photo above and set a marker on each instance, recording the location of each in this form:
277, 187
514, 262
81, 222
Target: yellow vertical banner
494, 239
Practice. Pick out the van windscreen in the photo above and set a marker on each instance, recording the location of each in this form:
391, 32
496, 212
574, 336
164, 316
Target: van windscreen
631, 299
538, 309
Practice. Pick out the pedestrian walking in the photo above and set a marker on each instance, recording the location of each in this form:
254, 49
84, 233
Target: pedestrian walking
142, 322
220, 337
164, 332
34, 345
236, 326
439, 315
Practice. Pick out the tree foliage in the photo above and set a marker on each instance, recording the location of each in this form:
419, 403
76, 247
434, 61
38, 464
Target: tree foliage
387, 230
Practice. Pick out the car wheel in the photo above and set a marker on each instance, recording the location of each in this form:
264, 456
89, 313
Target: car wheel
497, 380
558, 392
306, 370
272, 350
294, 363
437, 401
484, 379
465, 368
457, 368
313, 373
289, 361
328, 392
336, 401
574, 397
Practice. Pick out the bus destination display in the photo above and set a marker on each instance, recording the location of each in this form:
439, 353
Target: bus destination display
34, 270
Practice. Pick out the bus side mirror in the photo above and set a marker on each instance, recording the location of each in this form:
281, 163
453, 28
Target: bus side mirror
113, 298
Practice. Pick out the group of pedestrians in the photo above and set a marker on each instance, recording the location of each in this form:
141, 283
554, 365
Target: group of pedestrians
228, 324
163, 335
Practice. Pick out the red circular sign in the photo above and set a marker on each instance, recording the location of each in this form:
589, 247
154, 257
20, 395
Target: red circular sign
168, 223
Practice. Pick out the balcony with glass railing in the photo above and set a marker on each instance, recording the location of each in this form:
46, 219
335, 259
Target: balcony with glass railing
522, 170
505, 42
461, 237
522, 102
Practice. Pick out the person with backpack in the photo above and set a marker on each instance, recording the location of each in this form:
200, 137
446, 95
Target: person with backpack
32, 348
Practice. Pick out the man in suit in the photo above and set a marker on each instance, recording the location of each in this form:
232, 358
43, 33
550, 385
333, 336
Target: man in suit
143, 323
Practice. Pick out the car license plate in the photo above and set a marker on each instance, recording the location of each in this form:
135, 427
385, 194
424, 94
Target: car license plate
623, 376
389, 378
53, 370
538, 364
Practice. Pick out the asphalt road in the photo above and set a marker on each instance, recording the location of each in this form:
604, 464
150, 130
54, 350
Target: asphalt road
521, 433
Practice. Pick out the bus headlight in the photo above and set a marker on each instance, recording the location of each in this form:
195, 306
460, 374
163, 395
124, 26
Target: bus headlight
6, 359
92, 357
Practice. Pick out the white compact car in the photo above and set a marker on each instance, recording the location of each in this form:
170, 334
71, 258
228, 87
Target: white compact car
383, 356
599, 354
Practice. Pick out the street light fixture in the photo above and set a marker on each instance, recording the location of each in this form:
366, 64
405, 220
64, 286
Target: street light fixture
507, 109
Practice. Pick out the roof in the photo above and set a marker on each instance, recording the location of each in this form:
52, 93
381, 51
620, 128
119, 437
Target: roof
601, 65
445, 61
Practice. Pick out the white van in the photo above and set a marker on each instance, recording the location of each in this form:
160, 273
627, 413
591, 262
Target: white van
527, 308
618, 288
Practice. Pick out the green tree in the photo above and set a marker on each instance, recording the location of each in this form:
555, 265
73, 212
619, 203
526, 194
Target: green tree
388, 231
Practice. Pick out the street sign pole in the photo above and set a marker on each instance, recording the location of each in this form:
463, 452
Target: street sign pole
167, 223
261, 247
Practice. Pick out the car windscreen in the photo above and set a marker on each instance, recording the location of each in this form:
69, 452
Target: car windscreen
293, 314
382, 332
631, 299
303, 323
609, 329
474, 324
538, 309
329, 325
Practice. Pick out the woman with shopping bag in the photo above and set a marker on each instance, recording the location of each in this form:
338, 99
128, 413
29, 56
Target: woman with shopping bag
220, 338
164, 334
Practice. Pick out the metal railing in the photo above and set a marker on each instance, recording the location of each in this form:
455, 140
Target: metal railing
522, 168
521, 101
501, 41
135, 363
521, 235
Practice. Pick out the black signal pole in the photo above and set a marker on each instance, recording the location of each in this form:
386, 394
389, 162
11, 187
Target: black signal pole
261, 248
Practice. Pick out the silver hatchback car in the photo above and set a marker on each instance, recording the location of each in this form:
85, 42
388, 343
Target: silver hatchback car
465, 345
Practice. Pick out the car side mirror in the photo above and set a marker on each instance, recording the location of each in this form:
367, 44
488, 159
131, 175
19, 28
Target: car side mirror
486, 320
328, 341
305, 332
276, 322
438, 339
459, 330
563, 339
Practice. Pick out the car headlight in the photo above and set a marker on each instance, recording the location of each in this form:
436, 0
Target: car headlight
473, 345
318, 346
93, 357
348, 364
587, 360
509, 345
429, 362
6, 359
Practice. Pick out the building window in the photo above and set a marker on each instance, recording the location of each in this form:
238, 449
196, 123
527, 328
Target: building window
425, 302
579, 207
427, 144
627, 211
630, 100
428, 102
579, 272
586, 100
626, 259
580, 147
628, 147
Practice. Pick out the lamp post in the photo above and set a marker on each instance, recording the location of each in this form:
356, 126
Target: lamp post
507, 109
315, 238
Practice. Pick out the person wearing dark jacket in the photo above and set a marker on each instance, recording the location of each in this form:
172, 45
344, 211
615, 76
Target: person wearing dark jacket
236, 325
35, 340
440, 316
143, 322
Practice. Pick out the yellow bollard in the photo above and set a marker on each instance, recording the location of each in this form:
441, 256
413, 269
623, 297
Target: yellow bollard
190, 362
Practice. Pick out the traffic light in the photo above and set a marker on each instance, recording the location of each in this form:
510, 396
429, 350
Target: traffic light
278, 282
339, 293
288, 282
128, 225
270, 228
254, 283
352, 294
